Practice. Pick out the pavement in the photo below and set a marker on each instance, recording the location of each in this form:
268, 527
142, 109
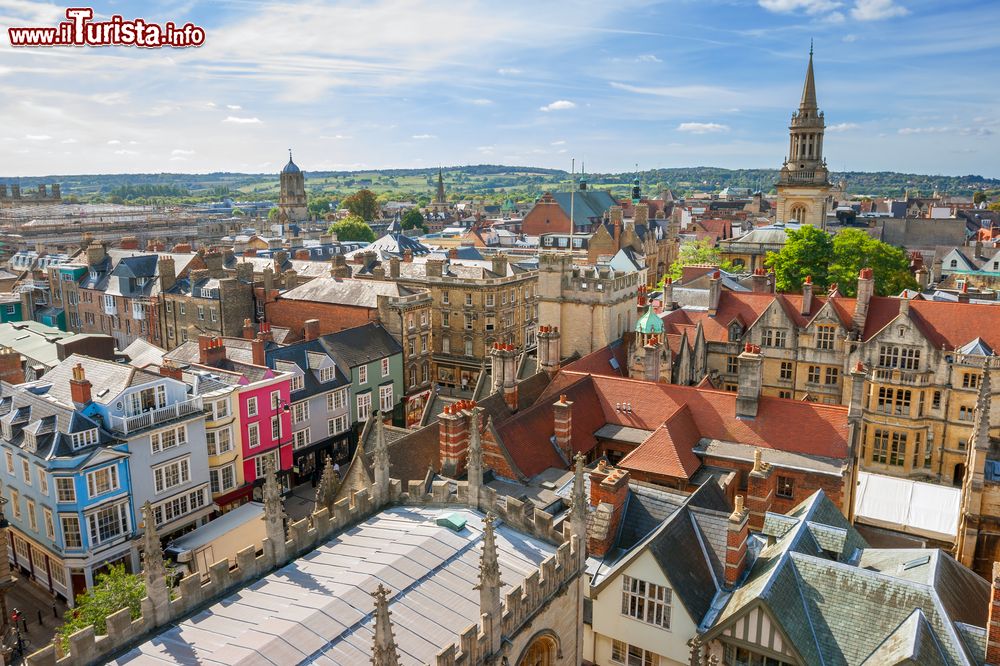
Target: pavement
30, 600
300, 502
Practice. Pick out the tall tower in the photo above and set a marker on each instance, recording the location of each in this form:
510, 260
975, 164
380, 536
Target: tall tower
804, 185
440, 203
292, 201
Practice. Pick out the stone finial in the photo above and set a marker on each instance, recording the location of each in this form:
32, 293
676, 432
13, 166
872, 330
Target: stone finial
326, 489
154, 572
490, 608
578, 505
738, 510
474, 466
981, 426
274, 514
384, 648
380, 460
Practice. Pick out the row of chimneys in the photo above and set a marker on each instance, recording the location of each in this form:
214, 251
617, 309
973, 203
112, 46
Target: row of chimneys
15, 191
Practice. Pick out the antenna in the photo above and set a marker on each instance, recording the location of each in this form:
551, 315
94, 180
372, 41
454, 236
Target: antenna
572, 198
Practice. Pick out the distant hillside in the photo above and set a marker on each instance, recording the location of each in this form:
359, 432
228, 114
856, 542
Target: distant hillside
495, 182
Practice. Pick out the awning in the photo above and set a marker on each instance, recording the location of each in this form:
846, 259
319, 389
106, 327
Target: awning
912, 507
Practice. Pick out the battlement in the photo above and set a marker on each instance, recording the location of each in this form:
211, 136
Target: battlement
14, 196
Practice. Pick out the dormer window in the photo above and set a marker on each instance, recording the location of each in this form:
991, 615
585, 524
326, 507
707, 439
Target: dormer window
297, 383
735, 331
84, 438
6, 430
327, 374
30, 442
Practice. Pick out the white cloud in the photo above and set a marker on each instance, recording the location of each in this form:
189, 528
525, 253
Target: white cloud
558, 105
233, 107
114, 142
480, 101
486, 150
508, 71
68, 141
842, 127
422, 137
37, 137
648, 57
874, 10
242, 121
702, 128
924, 130
334, 137
180, 152
560, 142
808, 6
849, 38
126, 152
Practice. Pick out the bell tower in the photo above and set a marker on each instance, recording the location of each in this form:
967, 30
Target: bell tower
292, 198
804, 183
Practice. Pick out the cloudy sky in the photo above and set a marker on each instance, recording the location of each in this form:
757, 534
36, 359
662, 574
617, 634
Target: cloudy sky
907, 85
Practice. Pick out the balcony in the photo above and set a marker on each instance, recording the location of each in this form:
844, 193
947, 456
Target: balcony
154, 417
906, 377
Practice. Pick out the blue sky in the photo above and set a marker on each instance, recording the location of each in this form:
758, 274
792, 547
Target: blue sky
906, 85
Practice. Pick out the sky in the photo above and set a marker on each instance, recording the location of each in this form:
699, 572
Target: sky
906, 85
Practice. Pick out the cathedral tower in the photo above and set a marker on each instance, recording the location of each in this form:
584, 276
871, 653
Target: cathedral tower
292, 201
804, 186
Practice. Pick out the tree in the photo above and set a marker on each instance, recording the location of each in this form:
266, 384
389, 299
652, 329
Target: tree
413, 219
352, 228
272, 214
978, 197
320, 205
115, 589
362, 203
696, 253
853, 249
238, 212
807, 253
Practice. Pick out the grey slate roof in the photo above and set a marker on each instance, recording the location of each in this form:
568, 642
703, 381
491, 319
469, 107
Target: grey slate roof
359, 293
589, 206
107, 379
360, 345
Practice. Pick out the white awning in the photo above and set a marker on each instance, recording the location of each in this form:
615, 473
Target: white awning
913, 507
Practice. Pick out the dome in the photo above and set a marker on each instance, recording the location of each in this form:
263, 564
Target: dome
649, 323
290, 167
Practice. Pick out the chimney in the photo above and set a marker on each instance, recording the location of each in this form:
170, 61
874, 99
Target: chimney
408, 256
616, 216
168, 274
268, 275
758, 282
257, 351
737, 531
750, 379
453, 253
378, 272
11, 370
290, 278
714, 293
394, 268
79, 386
866, 286
249, 331
264, 331
182, 248
609, 494
169, 369
95, 253
510, 377
453, 437
129, 243
310, 329
979, 247
904, 304
761, 486
856, 405
641, 215
562, 417
807, 296
668, 294
993, 621
211, 350
339, 267
434, 268
549, 349
500, 264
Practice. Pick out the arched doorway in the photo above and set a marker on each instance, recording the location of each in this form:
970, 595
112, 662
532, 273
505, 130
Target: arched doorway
542, 651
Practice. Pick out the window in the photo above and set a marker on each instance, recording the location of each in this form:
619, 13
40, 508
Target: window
785, 394
446, 345
786, 487
15, 502
84, 438
904, 358
26, 472
468, 298
880, 448
106, 524
336, 400
219, 441
337, 425
253, 435
490, 300
364, 406
327, 374
965, 413
385, 398
43, 480
936, 400
300, 412
71, 531
32, 516
445, 297
786, 370
50, 527
732, 365
735, 332
631, 655
222, 479
201, 312
65, 490
490, 322
168, 439
102, 481
385, 367
176, 507
362, 374
832, 375
301, 438
261, 463
214, 314
813, 375
297, 383
171, 475
252, 406
738, 656
275, 428
825, 336
445, 319
646, 602
10, 459
275, 400
468, 347
409, 321
970, 380
221, 409
890, 447
468, 322
772, 337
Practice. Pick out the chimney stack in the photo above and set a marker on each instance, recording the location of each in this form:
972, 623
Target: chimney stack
453, 437
759, 282
651, 359
640, 216
714, 293
394, 268
310, 329
129, 243
211, 350
750, 379
500, 264
249, 331
609, 494
11, 370
807, 296
737, 531
257, 350
668, 294
866, 286
170, 369
79, 386
168, 274
562, 417
434, 268
549, 349
761, 486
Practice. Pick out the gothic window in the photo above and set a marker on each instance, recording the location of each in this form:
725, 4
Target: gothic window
798, 212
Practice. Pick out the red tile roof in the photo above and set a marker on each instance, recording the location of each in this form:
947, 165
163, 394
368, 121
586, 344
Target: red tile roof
669, 451
599, 362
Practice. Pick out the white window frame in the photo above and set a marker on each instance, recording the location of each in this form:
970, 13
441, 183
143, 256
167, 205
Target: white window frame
217, 481
252, 406
300, 412
253, 435
215, 439
43, 480
338, 424
336, 400
260, 463
10, 462
364, 406
114, 483
385, 398
385, 367
157, 439
362, 374
70, 525
121, 520
642, 599
60, 497
50, 526
301, 438
26, 471
183, 474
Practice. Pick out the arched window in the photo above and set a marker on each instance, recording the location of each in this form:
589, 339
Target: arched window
798, 213
541, 651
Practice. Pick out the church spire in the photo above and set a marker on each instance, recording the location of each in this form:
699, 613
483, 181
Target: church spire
384, 650
809, 88
439, 197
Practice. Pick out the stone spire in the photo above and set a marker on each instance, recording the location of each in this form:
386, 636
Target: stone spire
274, 516
981, 427
809, 88
326, 489
384, 650
578, 506
475, 463
154, 573
439, 196
490, 609
380, 461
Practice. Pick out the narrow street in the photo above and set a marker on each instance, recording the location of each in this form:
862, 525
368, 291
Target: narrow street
40, 613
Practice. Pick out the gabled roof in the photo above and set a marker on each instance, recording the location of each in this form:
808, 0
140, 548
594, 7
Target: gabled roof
107, 379
360, 345
589, 206
669, 451
345, 291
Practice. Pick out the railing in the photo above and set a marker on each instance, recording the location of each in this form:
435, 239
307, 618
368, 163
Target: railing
127, 424
976, 360
902, 377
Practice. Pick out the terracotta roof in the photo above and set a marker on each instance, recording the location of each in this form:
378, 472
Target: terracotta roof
600, 361
669, 451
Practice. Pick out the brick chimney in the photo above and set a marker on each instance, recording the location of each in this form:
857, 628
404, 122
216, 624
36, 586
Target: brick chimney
866, 286
453, 437
434, 268
79, 386
265, 331
608, 493
562, 418
169, 369
167, 272
310, 329
129, 243
11, 370
807, 296
761, 486
408, 256
737, 531
510, 377
211, 350
249, 330
668, 294
651, 359
714, 293
499, 264
751, 365
993, 621
95, 253
640, 215
257, 347
759, 282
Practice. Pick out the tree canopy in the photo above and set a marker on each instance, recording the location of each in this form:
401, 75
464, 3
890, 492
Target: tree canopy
695, 253
414, 219
811, 252
320, 205
363, 203
115, 589
352, 228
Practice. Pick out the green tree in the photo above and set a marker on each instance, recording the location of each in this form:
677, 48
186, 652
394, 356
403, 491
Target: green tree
853, 249
272, 214
413, 219
362, 203
238, 212
978, 197
807, 252
696, 253
115, 589
352, 228
320, 205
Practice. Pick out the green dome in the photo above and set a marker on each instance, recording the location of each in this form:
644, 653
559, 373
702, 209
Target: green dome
649, 323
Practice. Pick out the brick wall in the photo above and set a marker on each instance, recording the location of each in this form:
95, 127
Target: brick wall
332, 317
804, 484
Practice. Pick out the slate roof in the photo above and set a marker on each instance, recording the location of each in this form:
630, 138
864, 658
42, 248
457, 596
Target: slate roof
345, 291
589, 206
298, 353
142, 353
108, 379
360, 345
